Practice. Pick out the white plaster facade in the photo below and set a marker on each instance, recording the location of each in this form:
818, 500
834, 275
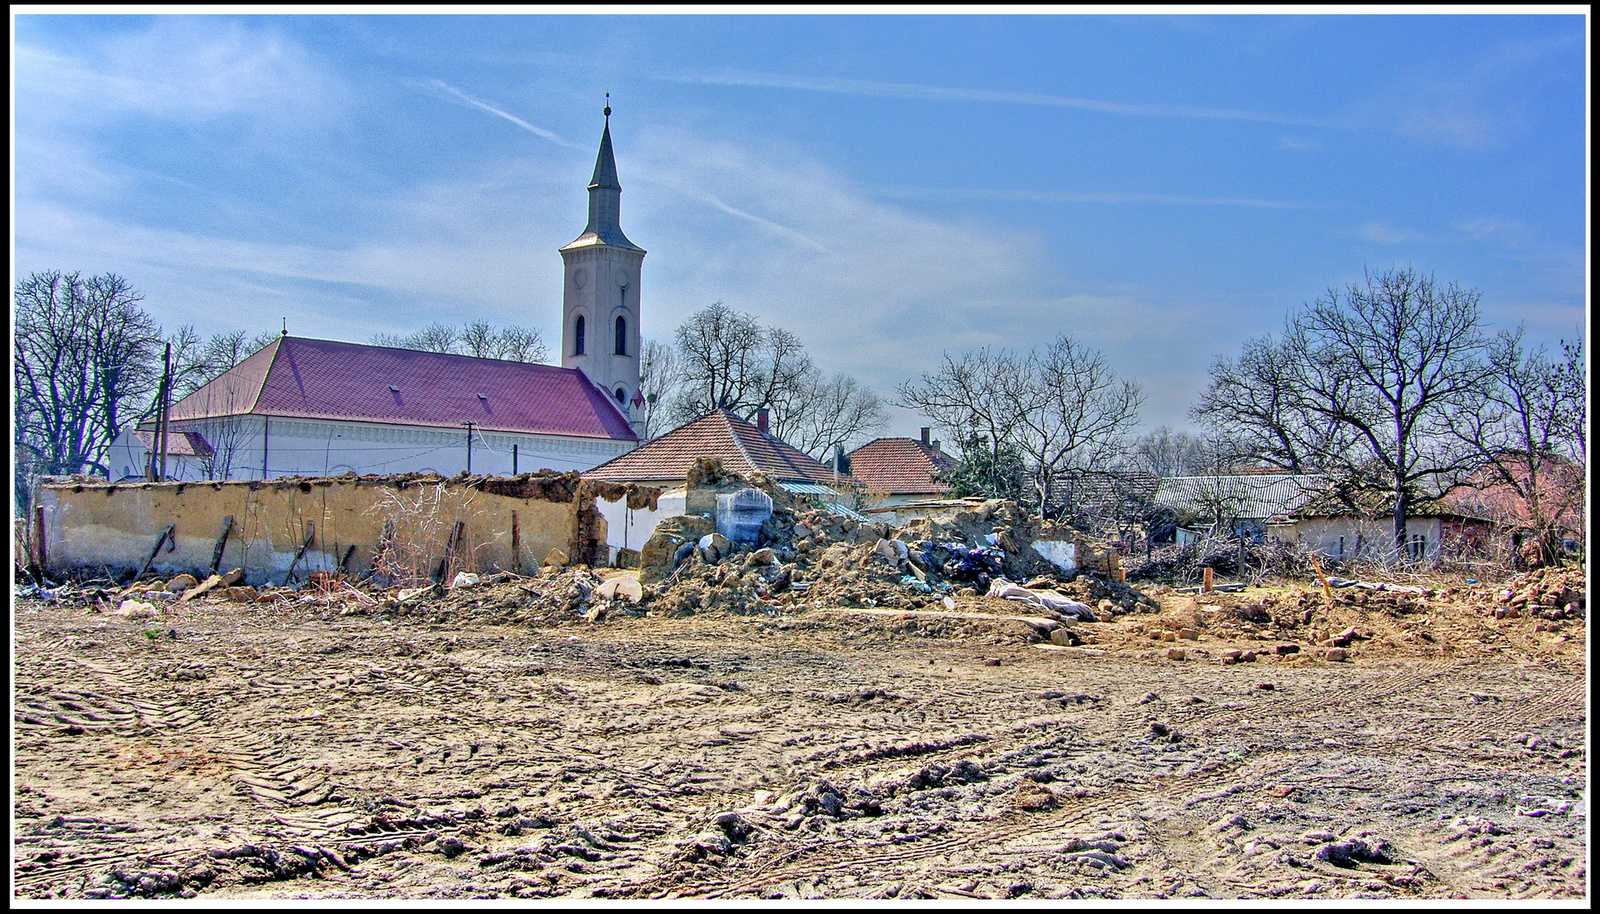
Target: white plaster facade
1352, 538
264, 447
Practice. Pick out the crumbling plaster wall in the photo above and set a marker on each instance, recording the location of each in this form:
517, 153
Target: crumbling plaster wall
91, 525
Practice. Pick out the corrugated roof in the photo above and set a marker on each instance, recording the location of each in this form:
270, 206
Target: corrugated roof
1372, 503
740, 446
1257, 496
323, 379
900, 466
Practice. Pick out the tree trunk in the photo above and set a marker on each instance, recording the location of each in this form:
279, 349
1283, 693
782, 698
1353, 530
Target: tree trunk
1401, 504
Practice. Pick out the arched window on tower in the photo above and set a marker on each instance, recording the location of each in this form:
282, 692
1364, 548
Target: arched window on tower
577, 336
622, 395
622, 335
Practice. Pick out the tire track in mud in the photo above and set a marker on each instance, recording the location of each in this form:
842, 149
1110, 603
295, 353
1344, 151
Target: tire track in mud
266, 771
788, 864
984, 838
1369, 690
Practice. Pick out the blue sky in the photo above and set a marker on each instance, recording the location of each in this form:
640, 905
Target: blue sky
887, 186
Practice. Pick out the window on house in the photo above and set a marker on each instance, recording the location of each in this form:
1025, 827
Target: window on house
622, 335
577, 336
1419, 546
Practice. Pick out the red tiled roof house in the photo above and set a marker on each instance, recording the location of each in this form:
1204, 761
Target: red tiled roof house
898, 471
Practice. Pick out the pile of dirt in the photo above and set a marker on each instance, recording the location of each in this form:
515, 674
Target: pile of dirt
1540, 613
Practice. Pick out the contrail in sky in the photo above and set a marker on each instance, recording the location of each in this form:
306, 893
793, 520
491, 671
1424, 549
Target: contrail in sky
765, 223
559, 140
941, 93
478, 103
1030, 196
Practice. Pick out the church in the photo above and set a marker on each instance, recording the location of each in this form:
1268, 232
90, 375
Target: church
306, 407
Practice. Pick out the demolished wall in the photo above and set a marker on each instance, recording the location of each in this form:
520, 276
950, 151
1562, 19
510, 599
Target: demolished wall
402, 526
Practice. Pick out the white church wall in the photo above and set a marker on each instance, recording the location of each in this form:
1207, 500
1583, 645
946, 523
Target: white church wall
304, 447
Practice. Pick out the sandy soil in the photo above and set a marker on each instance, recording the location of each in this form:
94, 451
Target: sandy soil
234, 751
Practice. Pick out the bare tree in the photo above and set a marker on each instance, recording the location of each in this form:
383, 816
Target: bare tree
1254, 401
1572, 372
730, 361
1164, 452
1055, 409
660, 379
1076, 413
969, 398
1366, 382
86, 356
828, 413
1522, 433
474, 338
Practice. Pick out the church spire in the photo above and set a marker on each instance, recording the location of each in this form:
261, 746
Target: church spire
605, 164
605, 197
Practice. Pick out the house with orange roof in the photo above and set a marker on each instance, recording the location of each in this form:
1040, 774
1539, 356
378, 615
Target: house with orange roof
741, 447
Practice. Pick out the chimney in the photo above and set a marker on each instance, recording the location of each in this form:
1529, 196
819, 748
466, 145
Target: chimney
761, 419
925, 431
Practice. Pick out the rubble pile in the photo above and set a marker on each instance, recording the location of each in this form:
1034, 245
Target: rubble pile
744, 547
1545, 593
806, 554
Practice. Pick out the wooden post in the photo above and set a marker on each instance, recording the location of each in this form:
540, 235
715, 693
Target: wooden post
1327, 589
1207, 579
516, 543
154, 550
449, 551
311, 532
41, 555
1117, 573
222, 543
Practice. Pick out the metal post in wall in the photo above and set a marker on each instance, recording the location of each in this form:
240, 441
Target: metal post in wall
470, 425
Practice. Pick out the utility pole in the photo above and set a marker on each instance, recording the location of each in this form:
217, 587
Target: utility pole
470, 425
159, 464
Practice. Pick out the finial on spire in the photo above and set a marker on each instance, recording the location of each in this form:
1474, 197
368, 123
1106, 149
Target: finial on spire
286, 326
608, 107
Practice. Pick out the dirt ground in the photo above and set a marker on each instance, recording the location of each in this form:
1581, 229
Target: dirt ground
313, 748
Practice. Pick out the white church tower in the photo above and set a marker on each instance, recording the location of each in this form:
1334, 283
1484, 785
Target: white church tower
600, 293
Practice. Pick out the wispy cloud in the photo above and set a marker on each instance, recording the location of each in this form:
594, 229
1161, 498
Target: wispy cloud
181, 68
1380, 233
1476, 102
945, 93
1031, 196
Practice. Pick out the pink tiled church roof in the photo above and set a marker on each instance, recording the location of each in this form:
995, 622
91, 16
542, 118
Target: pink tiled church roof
322, 379
742, 447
